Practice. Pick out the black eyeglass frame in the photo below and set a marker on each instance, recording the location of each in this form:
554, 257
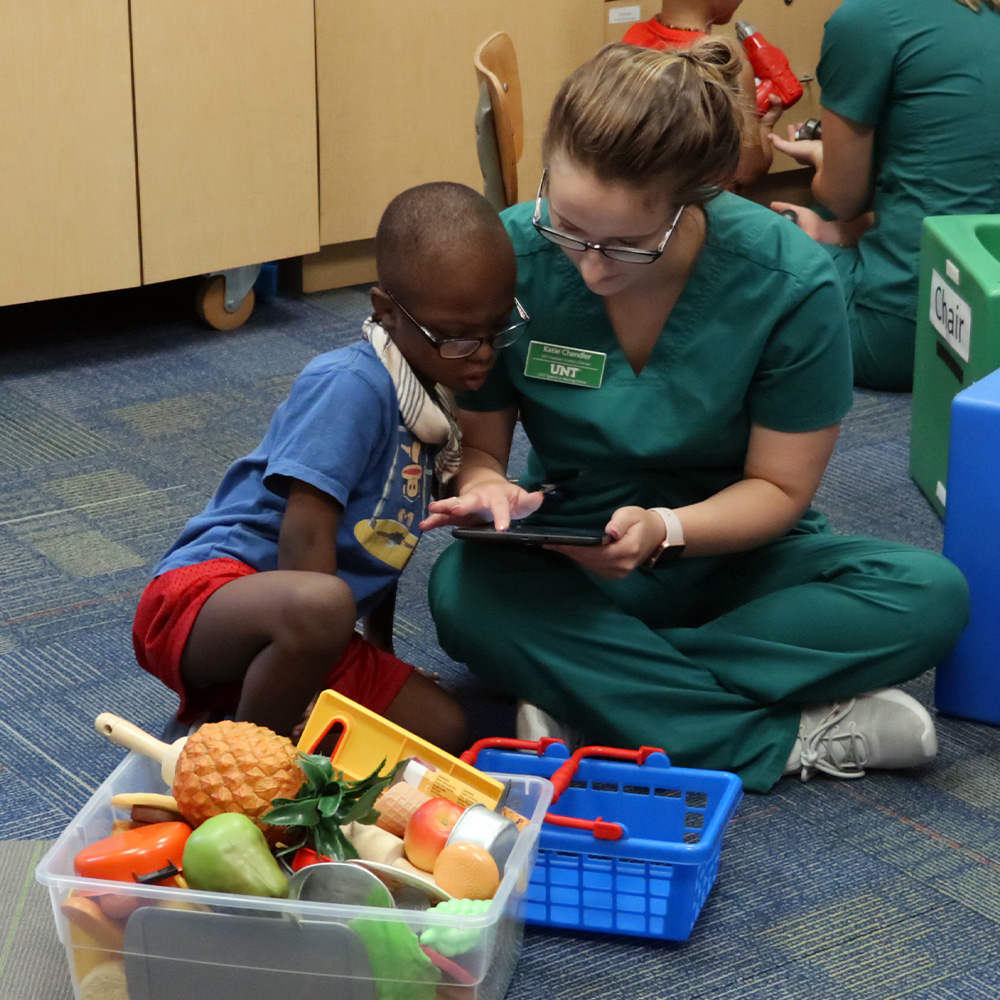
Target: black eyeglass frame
504, 338
624, 255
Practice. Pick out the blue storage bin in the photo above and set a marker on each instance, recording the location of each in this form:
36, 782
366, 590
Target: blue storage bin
630, 845
967, 683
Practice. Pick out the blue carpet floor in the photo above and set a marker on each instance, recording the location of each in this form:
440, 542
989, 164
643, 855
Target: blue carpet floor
118, 417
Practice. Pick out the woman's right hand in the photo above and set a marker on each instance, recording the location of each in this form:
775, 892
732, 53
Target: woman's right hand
495, 500
808, 152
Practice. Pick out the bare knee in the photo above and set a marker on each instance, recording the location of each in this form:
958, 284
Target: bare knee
316, 616
425, 709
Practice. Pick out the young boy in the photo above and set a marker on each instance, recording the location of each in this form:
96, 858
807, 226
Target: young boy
683, 22
253, 608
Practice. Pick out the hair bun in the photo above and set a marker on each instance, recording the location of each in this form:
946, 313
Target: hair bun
643, 116
719, 54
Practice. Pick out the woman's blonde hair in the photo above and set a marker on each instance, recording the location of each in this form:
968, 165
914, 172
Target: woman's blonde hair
638, 116
977, 5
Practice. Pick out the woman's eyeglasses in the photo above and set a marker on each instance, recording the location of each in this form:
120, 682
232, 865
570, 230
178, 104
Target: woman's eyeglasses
455, 348
628, 255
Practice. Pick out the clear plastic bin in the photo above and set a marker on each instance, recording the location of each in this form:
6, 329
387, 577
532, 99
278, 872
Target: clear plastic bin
187, 945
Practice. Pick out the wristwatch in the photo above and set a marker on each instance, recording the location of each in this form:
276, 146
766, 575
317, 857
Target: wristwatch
670, 549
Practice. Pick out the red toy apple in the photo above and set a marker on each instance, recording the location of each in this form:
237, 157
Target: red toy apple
427, 832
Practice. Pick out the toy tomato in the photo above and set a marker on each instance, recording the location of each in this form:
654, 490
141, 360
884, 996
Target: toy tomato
306, 856
123, 856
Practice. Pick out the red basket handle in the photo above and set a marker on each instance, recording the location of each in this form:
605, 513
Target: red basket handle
566, 772
601, 829
506, 743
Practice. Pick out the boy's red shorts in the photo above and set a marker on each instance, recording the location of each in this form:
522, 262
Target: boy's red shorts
165, 617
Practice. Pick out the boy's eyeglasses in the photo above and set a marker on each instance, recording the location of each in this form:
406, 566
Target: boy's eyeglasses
455, 348
628, 255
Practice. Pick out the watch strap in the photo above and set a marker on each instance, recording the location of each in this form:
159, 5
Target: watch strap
673, 539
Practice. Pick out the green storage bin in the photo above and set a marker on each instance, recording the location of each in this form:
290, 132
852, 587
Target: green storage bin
958, 335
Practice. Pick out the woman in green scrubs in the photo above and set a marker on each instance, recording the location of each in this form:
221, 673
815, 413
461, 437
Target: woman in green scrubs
681, 384
910, 129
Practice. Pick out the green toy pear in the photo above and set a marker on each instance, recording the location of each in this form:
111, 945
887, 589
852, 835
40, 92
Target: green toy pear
229, 853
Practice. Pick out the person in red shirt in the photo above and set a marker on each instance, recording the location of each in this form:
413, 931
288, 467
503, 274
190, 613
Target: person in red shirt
682, 22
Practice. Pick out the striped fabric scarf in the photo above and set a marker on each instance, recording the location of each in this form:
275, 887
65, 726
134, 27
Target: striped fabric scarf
429, 420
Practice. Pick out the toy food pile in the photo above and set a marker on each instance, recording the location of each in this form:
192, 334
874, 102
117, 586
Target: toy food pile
247, 814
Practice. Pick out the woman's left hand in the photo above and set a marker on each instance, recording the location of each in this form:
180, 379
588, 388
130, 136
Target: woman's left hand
634, 534
813, 224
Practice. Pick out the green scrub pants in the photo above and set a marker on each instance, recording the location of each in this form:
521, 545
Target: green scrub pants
882, 343
710, 659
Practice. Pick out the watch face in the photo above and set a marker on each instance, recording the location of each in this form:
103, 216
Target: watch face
667, 555
670, 555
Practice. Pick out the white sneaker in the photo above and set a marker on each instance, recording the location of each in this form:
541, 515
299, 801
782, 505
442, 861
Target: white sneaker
883, 729
534, 724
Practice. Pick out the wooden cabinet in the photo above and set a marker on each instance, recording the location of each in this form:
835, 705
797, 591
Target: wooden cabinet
400, 112
225, 116
68, 217
207, 163
403, 114
144, 140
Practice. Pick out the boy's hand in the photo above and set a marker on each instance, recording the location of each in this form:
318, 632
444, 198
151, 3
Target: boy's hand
774, 111
635, 534
808, 152
499, 502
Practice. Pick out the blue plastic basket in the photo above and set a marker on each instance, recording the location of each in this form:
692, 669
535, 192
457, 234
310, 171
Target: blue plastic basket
630, 844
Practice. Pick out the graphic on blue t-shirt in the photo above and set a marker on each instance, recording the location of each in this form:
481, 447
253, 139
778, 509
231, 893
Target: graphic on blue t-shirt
339, 430
389, 539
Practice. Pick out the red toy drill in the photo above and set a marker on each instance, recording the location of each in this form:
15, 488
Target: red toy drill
774, 75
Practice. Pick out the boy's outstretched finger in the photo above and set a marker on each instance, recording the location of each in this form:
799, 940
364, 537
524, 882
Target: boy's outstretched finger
450, 510
501, 513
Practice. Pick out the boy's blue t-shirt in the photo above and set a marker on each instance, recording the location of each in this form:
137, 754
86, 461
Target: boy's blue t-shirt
339, 430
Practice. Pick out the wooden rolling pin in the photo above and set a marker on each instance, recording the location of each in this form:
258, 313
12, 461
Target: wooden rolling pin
130, 736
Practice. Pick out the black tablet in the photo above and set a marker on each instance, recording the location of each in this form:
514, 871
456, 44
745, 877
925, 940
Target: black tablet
521, 534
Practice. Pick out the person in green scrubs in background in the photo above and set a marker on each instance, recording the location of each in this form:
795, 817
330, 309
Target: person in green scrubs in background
910, 129
681, 384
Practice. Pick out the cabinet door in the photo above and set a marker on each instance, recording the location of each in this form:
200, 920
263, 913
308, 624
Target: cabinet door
225, 110
67, 195
402, 113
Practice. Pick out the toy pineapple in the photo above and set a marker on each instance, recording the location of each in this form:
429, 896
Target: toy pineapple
234, 767
221, 767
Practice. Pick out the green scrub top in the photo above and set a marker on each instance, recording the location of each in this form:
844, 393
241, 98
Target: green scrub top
926, 75
758, 336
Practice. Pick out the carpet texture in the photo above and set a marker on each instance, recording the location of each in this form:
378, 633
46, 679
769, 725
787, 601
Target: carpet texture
118, 417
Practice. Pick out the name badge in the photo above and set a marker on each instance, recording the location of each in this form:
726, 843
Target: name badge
569, 365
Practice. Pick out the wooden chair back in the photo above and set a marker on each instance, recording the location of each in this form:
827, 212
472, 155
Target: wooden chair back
496, 70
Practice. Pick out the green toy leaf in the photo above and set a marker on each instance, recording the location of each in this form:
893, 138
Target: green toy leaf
327, 801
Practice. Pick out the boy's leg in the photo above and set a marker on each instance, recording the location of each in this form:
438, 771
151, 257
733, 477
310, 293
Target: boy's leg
426, 710
389, 686
276, 634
